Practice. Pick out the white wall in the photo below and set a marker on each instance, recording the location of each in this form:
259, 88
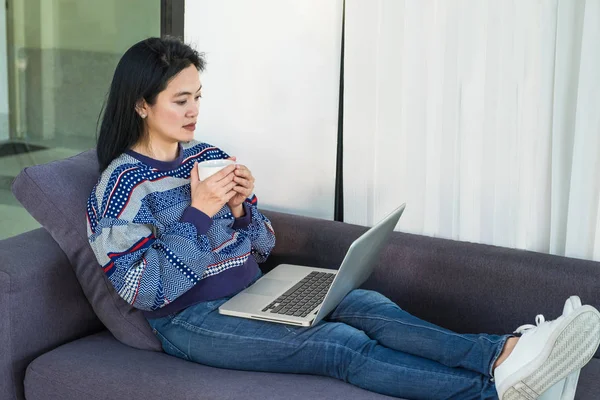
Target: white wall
270, 94
3, 77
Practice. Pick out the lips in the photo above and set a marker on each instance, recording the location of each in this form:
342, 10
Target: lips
190, 127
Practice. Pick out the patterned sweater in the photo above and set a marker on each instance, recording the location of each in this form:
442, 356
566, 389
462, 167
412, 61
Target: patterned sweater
160, 254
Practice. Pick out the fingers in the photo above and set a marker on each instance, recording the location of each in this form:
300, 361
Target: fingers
243, 171
226, 190
224, 193
243, 182
233, 180
223, 186
242, 190
230, 186
226, 180
222, 173
244, 177
230, 195
231, 192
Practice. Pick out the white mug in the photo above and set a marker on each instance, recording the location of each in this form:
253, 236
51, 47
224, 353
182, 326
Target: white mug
210, 167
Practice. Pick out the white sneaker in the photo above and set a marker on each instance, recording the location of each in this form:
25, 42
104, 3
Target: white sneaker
565, 389
547, 353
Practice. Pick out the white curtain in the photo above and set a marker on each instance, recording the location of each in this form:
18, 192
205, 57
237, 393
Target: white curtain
482, 115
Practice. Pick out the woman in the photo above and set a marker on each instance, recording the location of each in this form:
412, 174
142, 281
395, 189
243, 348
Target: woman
177, 248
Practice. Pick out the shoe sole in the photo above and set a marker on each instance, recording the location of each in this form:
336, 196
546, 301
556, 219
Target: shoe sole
571, 381
573, 348
569, 384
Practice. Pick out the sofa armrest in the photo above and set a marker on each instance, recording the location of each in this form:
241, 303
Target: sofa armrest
42, 305
466, 287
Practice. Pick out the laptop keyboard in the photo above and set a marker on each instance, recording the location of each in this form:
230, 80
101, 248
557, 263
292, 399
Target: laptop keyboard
304, 296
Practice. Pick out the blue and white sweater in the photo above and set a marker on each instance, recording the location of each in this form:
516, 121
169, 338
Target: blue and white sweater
160, 254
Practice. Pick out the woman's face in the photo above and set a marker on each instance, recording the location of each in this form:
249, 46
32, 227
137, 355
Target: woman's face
172, 118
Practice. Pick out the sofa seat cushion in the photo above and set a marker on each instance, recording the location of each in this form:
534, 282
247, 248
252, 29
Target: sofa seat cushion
100, 367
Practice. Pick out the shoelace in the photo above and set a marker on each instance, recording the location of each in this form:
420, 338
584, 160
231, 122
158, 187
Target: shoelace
539, 319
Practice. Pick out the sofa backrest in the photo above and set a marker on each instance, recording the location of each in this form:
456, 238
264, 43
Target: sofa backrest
466, 287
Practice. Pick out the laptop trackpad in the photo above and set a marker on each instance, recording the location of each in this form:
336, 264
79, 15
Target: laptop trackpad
268, 287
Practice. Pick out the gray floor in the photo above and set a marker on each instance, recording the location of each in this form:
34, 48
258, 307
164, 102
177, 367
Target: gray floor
14, 219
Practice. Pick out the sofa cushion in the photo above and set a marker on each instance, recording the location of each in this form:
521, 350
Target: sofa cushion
56, 194
99, 367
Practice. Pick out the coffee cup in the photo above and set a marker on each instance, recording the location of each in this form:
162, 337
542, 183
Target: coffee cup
210, 167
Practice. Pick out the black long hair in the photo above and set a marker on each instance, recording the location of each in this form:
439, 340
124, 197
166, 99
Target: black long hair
142, 73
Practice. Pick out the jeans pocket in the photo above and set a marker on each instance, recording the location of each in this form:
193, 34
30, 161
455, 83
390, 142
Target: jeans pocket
169, 347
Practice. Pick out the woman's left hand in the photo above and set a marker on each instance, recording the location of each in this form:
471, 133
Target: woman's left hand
244, 189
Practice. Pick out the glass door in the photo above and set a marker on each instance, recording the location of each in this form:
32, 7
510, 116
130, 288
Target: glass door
56, 62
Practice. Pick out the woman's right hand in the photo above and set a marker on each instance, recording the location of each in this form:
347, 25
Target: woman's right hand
211, 194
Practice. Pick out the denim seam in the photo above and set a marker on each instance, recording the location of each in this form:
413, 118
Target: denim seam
500, 342
402, 366
362, 316
197, 329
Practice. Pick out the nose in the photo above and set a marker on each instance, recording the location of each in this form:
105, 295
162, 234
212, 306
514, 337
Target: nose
192, 112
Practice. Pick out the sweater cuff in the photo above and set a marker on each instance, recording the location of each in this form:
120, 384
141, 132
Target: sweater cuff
243, 222
201, 221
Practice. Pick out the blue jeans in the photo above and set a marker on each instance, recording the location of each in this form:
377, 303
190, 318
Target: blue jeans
367, 341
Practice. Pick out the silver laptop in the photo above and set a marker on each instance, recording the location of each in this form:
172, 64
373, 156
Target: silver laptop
301, 295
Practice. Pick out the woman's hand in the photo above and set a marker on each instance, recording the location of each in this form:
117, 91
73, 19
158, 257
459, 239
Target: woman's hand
211, 194
243, 189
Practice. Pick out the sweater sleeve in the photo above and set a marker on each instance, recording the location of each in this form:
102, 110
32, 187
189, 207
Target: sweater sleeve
150, 270
258, 228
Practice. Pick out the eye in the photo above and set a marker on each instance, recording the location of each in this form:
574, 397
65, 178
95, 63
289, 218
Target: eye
181, 102
198, 97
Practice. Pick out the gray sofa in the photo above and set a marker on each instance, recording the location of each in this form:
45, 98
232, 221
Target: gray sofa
53, 345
